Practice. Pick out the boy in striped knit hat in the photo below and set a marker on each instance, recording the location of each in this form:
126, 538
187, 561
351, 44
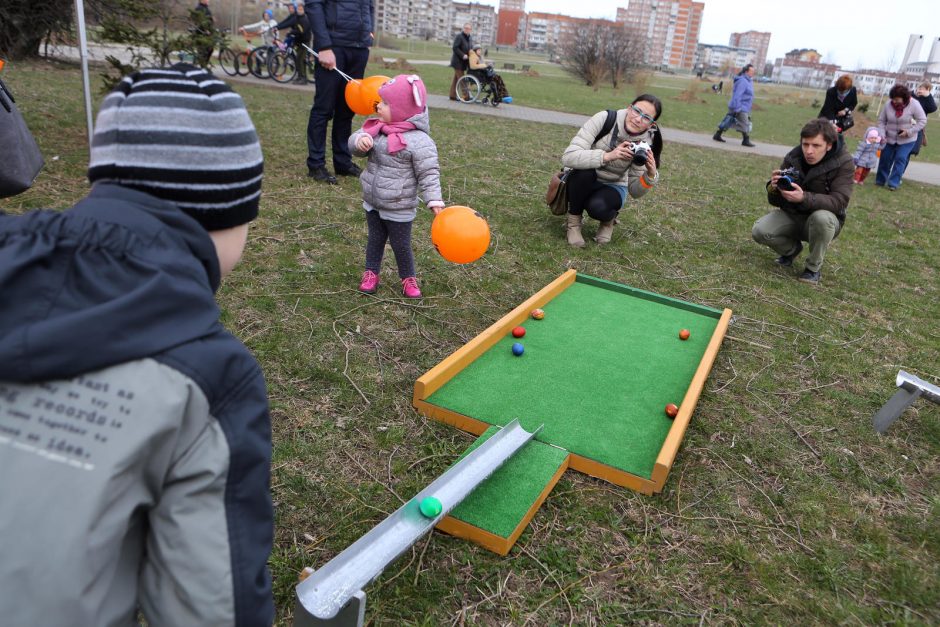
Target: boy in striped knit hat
135, 449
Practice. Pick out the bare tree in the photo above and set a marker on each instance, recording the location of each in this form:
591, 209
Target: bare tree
622, 51
598, 51
584, 55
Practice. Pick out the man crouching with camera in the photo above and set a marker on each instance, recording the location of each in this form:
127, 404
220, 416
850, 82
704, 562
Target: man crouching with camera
811, 189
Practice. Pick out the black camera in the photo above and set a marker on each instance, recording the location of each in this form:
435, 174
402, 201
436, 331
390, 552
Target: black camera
640, 150
787, 178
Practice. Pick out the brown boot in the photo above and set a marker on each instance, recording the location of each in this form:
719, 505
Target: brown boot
574, 230
604, 231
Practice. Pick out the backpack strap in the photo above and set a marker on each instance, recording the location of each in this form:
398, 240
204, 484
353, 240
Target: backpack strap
608, 124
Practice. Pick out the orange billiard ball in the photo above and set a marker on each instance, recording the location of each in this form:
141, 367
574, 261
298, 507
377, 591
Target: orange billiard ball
684, 334
672, 410
538, 314
518, 332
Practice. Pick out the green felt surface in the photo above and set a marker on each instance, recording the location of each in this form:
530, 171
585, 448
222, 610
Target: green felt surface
597, 371
499, 504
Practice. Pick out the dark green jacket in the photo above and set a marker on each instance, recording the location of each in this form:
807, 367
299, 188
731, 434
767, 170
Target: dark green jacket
828, 185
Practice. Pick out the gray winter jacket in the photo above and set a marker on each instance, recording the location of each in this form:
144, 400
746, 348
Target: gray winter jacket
391, 182
583, 153
135, 441
913, 119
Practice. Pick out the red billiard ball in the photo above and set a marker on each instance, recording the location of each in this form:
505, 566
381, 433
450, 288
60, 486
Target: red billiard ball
672, 410
518, 332
684, 334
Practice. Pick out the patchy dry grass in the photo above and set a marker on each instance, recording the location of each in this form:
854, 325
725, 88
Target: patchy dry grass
783, 505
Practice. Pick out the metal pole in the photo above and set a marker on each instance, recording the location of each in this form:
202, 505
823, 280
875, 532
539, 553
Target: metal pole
83, 54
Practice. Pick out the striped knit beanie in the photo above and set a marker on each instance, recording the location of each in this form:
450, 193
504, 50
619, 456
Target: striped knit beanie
182, 135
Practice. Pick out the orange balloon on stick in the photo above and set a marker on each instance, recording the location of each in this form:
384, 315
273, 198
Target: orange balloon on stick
353, 96
369, 94
460, 234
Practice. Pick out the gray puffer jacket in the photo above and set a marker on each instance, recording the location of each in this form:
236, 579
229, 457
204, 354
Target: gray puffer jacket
391, 182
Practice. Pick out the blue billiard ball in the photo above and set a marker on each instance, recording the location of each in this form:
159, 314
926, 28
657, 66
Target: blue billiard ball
517, 349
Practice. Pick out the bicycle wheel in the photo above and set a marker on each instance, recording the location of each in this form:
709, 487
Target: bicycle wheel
228, 61
282, 66
258, 62
242, 66
468, 88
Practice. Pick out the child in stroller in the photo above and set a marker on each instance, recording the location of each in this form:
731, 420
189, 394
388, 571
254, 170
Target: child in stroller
491, 88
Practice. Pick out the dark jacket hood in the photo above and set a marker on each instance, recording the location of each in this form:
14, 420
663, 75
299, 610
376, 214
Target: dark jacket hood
120, 276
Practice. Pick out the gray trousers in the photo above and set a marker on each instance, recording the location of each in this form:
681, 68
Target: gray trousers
782, 232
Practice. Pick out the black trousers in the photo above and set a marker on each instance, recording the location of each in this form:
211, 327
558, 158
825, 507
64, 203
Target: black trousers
329, 103
585, 193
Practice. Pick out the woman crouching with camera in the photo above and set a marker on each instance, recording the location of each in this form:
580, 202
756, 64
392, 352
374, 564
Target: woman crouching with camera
606, 166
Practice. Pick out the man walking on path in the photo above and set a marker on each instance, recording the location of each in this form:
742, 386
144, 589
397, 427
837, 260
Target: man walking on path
342, 35
739, 107
460, 59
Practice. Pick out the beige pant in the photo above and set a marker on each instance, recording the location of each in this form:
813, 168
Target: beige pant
782, 232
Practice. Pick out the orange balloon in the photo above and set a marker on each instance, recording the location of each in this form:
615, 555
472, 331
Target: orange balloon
369, 94
353, 97
460, 234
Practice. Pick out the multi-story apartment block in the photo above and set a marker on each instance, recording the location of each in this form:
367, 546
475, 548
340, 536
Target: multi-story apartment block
511, 21
670, 27
754, 40
435, 19
715, 58
552, 31
481, 16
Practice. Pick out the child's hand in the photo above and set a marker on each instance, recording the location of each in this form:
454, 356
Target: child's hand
364, 143
436, 206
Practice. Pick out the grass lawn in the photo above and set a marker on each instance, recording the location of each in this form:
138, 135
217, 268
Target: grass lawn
783, 506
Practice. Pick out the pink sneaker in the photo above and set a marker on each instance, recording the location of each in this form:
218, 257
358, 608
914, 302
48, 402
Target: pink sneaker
409, 287
370, 282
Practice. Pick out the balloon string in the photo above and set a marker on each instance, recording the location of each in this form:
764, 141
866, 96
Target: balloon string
341, 73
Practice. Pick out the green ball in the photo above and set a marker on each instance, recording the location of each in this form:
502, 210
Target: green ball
430, 507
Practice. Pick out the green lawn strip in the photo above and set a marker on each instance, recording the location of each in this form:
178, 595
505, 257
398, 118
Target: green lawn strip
597, 371
499, 504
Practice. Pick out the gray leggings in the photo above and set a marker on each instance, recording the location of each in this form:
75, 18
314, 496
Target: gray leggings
398, 234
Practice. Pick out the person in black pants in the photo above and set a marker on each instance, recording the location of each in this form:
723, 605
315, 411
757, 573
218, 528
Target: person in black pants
299, 35
204, 27
343, 42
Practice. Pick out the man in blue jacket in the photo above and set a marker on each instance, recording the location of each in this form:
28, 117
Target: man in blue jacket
739, 107
342, 35
135, 439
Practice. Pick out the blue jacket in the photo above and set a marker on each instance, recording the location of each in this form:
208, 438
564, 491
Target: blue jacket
341, 23
135, 441
743, 95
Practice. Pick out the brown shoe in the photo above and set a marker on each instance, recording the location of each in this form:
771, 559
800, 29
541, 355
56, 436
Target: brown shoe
573, 226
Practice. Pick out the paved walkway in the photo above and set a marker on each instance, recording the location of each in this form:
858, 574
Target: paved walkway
916, 171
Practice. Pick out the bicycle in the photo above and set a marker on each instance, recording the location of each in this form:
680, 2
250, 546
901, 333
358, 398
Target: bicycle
259, 58
233, 62
282, 65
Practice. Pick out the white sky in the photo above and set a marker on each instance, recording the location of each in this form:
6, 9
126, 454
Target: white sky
855, 34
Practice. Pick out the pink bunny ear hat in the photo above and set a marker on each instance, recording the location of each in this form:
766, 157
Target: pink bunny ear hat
405, 95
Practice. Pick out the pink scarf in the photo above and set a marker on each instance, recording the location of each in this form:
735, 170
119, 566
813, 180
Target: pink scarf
394, 131
899, 109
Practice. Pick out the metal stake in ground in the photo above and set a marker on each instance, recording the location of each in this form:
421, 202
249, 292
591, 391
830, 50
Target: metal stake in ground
911, 388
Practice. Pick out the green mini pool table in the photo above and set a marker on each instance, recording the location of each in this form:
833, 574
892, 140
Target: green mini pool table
597, 371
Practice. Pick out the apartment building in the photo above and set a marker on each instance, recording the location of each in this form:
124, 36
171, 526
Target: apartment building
510, 22
722, 59
671, 28
435, 19
754, 40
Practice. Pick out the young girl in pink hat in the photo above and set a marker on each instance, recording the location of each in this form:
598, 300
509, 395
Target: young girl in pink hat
402, 163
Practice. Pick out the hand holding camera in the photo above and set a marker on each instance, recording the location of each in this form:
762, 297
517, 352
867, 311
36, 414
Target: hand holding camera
787, 183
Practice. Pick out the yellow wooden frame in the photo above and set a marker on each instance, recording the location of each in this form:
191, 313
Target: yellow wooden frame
440, 374
488, 539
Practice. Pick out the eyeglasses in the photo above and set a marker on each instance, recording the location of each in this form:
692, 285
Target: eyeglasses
643, 116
